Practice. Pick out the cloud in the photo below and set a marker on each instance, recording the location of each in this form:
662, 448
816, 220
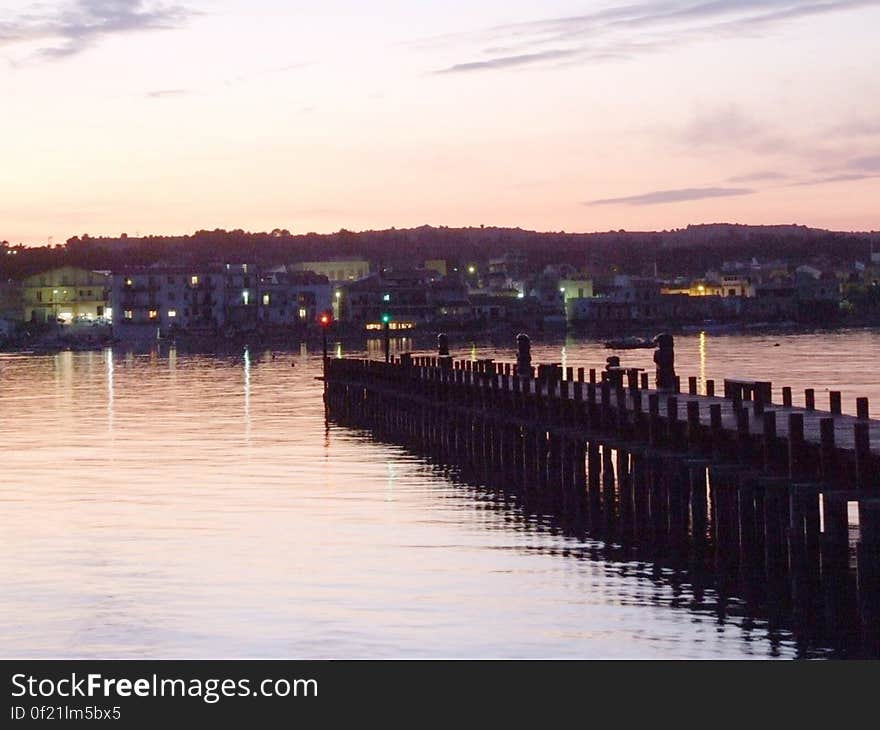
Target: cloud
166, 93
506, 61
759, 176
867, 164
730, 127
638, 28
660, 197
842, 177
78, 25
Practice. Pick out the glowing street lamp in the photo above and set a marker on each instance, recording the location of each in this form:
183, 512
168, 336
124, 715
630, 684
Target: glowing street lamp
386, 330
325, 320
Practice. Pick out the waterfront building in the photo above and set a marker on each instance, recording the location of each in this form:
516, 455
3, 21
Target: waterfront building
66, 295
294, 299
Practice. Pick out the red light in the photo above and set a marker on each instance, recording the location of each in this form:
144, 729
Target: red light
325, 320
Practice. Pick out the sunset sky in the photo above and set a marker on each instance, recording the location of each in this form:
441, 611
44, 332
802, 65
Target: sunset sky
166, 117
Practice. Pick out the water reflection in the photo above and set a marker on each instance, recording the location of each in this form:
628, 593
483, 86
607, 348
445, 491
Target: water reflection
136, 523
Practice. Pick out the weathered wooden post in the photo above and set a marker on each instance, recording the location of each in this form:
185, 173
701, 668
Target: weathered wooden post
664, 358
835, 402
444, 358
524, 356
810, 399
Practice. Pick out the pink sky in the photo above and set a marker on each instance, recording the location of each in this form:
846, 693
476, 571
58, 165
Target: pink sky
166, 117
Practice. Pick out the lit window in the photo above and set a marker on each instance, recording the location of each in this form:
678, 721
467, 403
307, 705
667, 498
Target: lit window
128, 314
265, 300
172, 313
128, 282
194, 280
246, 297
154, 314
303, 313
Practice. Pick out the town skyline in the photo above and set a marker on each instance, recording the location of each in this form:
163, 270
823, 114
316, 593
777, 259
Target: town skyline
161, 117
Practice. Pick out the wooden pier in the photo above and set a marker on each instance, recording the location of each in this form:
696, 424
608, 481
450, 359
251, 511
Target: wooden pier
747, 484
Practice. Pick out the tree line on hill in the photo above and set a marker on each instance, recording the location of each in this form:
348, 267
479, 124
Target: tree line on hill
689, 251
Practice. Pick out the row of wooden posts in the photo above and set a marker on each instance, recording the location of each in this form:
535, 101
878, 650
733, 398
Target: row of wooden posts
600, 448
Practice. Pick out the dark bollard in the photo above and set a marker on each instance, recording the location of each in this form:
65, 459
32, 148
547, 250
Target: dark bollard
580, 375
710, 388
644, 381
444, 359
810, 399
835, 402
862, 409
664, 358
692, 385
524, 356
786, 397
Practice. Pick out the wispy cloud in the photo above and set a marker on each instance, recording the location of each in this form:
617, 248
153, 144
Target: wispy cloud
759, 176
829, 179
523, 59
866, 164
75, 26
730, 127
661, 197
633, 29
166, 93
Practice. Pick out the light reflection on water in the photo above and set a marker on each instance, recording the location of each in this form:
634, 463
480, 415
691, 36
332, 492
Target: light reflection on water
166, 504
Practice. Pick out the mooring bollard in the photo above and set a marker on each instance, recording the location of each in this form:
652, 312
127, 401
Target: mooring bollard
810, 399
835, 402
444, 359
524, 356
664, 358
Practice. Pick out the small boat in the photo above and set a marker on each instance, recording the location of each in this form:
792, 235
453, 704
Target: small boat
630, 343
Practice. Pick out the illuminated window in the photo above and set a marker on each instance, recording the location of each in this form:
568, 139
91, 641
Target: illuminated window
303, 313
128, 282
154, 314
128, 314
265, 300
172, 313
246, 297
194, 280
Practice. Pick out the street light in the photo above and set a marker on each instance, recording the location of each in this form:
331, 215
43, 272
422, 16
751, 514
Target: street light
386, 329
325, 320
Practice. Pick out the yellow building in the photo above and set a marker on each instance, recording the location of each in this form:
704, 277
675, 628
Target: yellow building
438, 265
66, 295
695, 289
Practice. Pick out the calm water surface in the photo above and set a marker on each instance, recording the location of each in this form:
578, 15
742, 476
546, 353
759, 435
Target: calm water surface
171, 505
